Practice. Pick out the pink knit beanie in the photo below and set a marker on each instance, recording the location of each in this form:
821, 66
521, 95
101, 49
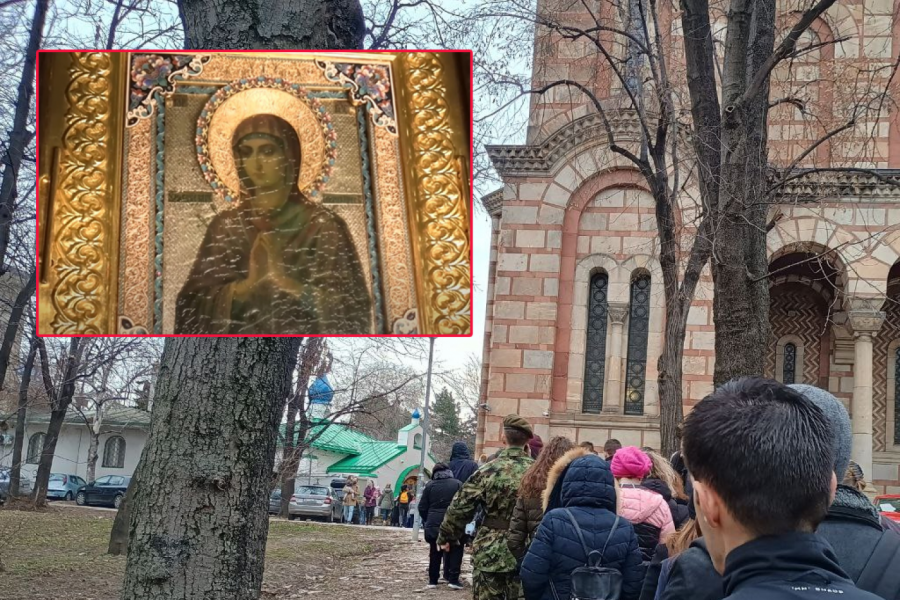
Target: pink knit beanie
630, 462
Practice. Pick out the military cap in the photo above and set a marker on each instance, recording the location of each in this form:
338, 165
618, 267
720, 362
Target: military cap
517, 422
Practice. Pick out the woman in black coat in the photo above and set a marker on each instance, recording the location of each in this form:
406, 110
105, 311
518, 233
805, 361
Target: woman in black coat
432, 506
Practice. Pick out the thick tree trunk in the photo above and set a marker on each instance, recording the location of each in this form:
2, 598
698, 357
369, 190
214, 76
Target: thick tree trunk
15, 317
740, 263
669, 379
19, 136
59, 402
94, 443
15, 473
273, 24
199, 514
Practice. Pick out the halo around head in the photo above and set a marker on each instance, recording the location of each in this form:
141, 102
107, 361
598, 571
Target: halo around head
237, 101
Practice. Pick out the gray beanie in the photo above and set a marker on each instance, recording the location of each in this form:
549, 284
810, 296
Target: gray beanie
840, 424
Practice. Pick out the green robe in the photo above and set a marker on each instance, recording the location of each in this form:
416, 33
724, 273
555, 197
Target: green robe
315, 249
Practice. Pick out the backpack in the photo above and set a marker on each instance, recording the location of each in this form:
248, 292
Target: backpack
592, 581
881, 575
404, 498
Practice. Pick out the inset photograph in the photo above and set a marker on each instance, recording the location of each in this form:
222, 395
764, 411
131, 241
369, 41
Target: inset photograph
254, 193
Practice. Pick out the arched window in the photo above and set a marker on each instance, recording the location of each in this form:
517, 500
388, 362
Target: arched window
595, 351
789, 367
417, 441
35, 448
114, 453
638, 327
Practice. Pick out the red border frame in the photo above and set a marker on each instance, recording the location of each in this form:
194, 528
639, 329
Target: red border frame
175, 335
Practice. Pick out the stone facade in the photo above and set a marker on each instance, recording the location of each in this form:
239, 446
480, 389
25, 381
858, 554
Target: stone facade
570, 210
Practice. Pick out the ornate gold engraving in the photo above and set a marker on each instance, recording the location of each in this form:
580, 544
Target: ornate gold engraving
439, 198
136, 283
83, 221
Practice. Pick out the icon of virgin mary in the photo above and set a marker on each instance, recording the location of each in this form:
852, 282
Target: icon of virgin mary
276, 263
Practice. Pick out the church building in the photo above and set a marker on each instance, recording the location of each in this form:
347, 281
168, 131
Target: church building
575, 307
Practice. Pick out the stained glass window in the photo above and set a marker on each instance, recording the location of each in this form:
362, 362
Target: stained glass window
789, 372
595, 352
638, 327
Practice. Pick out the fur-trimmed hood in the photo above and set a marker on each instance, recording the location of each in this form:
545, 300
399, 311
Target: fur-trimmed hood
580, 478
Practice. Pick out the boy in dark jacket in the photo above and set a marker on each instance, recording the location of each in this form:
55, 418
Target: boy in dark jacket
432, 506
461, 462
588, 495
761, 459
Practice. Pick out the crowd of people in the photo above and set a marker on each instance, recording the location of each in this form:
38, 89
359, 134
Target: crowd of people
761, 501
391, 507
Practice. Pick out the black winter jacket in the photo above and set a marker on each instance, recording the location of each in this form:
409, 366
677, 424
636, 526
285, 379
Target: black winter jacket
434, 502
692, 575
461, 463
679, 511
853, 528
794, 566
588, 492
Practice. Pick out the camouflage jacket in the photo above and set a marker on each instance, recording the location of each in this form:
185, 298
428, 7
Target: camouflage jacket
494, 486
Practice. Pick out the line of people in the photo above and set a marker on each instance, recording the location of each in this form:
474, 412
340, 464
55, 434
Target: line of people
761, 501
393, 508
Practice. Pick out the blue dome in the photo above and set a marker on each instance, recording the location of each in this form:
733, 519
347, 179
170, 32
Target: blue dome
416, 414
320, 392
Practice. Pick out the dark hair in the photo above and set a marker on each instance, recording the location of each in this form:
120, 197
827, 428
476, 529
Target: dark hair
766, 450
535, 479
440, 467
611, 446
515, 437
404, 487
589, 446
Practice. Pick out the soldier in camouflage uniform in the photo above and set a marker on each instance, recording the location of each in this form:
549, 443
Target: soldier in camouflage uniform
493, 487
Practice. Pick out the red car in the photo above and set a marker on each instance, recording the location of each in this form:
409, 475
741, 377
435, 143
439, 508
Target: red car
889, 506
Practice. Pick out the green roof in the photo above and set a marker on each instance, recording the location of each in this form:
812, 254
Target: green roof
410, 427
372, 455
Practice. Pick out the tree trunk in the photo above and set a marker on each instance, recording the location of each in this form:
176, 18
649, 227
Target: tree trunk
59, 402
118, 537
15, 316
273, 24
669, 379
19, 136
200, 509
309, 360
15, 473
740, 264
94, 432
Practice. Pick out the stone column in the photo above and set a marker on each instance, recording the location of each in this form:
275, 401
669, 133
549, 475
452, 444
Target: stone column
864, 324
495, 211
612, 399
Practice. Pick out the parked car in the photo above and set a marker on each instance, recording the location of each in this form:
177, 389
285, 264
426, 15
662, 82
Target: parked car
889, 506
108, 490
314, 501
63, 487
26, 484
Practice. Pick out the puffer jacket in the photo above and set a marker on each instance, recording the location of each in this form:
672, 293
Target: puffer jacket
435, 499
692, 575
679, 511
588, 492
526, 517
461, 462
649, 514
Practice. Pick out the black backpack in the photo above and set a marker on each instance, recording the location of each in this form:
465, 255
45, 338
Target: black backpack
592, 581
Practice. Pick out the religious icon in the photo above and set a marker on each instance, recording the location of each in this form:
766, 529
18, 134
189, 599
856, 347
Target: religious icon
276, 262
253, 194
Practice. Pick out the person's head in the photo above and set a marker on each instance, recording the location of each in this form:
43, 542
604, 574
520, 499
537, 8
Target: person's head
404, 488
761, 459
610, 448
516, 431
589, 446
267, 157
854, 477
482, 459
387, 488
371, 484
681, 540
535, 479
662, 470
630, 462
535, 445
441, 471
838, 420
459, 451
